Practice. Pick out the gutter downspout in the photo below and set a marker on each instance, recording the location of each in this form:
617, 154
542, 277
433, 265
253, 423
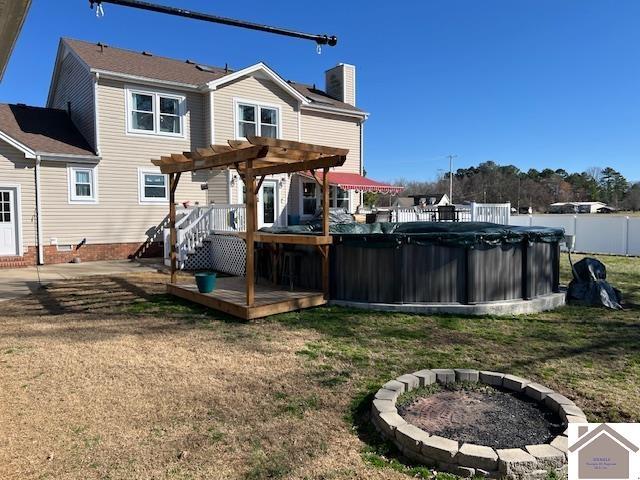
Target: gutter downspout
39, 212
362, 159
96, 121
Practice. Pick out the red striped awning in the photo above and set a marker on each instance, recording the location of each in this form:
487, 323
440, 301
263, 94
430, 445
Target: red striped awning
354, 181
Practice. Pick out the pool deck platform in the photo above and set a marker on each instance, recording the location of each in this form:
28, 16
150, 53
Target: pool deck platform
229, 297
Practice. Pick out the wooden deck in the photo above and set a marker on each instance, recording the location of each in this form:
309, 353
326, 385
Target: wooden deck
229, 297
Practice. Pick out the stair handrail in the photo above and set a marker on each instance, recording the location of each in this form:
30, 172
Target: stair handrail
179, 224
191, 236
189, 216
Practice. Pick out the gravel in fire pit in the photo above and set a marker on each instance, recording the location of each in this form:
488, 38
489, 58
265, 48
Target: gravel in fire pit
481, 415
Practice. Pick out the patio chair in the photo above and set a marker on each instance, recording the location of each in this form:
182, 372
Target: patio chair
447, 213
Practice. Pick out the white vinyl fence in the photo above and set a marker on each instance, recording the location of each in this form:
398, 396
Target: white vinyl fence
614, 235
474, 212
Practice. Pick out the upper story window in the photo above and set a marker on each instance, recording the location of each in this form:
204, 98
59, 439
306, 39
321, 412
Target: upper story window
82, 184
258, 120
155, 113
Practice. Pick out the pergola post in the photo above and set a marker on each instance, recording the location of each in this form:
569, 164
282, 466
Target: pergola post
174, 178
251, 214
325, 232
255, 159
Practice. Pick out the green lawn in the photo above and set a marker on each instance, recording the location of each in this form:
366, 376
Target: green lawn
113, 379
591, 355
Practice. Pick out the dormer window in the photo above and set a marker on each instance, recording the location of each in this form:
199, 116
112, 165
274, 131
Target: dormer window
257, 119
155, 113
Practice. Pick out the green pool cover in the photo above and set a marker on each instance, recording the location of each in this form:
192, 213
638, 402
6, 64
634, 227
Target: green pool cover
448, 233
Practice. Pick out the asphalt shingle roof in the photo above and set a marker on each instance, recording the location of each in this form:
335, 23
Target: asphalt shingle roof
138, 64
43, 130
128, 62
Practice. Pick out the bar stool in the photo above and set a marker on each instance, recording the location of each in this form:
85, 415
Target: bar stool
290, 260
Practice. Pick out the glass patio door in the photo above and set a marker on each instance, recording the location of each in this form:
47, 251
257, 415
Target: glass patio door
268, 204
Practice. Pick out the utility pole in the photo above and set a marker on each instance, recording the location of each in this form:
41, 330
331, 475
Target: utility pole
451, 157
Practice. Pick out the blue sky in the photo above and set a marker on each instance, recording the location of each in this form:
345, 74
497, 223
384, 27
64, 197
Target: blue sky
542, 83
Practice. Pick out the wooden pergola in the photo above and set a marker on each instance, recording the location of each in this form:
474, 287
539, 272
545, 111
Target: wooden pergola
254, 159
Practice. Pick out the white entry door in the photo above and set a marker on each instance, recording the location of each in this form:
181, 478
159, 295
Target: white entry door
8, 222
268, 204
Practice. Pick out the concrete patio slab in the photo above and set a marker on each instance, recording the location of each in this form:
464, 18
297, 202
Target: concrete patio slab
18, 282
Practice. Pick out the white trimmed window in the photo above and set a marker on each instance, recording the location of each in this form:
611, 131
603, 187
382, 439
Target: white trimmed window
155, 113
341, 198
258, 120
154, 186
312, 198
82, 184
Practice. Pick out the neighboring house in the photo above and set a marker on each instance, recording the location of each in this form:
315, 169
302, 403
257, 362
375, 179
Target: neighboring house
76, 177
603, 453
424, 199
576, 207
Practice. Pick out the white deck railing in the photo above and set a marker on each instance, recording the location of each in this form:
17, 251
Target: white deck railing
491, 212
198, 223
417, 214
475, 212
191, 235
229, 218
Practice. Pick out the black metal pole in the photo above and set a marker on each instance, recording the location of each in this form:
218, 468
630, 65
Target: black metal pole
181, 12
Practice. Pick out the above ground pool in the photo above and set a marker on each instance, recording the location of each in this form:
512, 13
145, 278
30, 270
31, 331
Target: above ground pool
424, 263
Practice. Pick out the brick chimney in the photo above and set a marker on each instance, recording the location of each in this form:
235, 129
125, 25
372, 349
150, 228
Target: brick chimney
341, 83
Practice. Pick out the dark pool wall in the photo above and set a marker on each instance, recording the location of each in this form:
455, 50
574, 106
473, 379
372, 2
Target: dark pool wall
434, 273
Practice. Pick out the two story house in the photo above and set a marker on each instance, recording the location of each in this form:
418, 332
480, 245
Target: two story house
76, 178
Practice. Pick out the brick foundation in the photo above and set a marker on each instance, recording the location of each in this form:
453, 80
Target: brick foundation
86, 253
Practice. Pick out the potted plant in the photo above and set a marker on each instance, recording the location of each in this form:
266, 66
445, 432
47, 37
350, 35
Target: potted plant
206, 281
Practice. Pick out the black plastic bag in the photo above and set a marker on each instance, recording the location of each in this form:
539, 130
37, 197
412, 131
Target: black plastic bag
589, 286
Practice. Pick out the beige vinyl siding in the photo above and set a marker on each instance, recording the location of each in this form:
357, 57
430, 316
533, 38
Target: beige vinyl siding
15, 169
260, 91
118, 217
75, 85
218, 192
333, 131
319, 128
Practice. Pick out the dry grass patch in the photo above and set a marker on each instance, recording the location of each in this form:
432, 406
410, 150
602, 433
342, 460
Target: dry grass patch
101, 381
108, 378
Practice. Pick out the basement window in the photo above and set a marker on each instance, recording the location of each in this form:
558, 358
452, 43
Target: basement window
82, 184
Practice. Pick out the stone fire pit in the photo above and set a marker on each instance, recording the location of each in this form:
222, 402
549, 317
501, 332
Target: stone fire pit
545, 415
